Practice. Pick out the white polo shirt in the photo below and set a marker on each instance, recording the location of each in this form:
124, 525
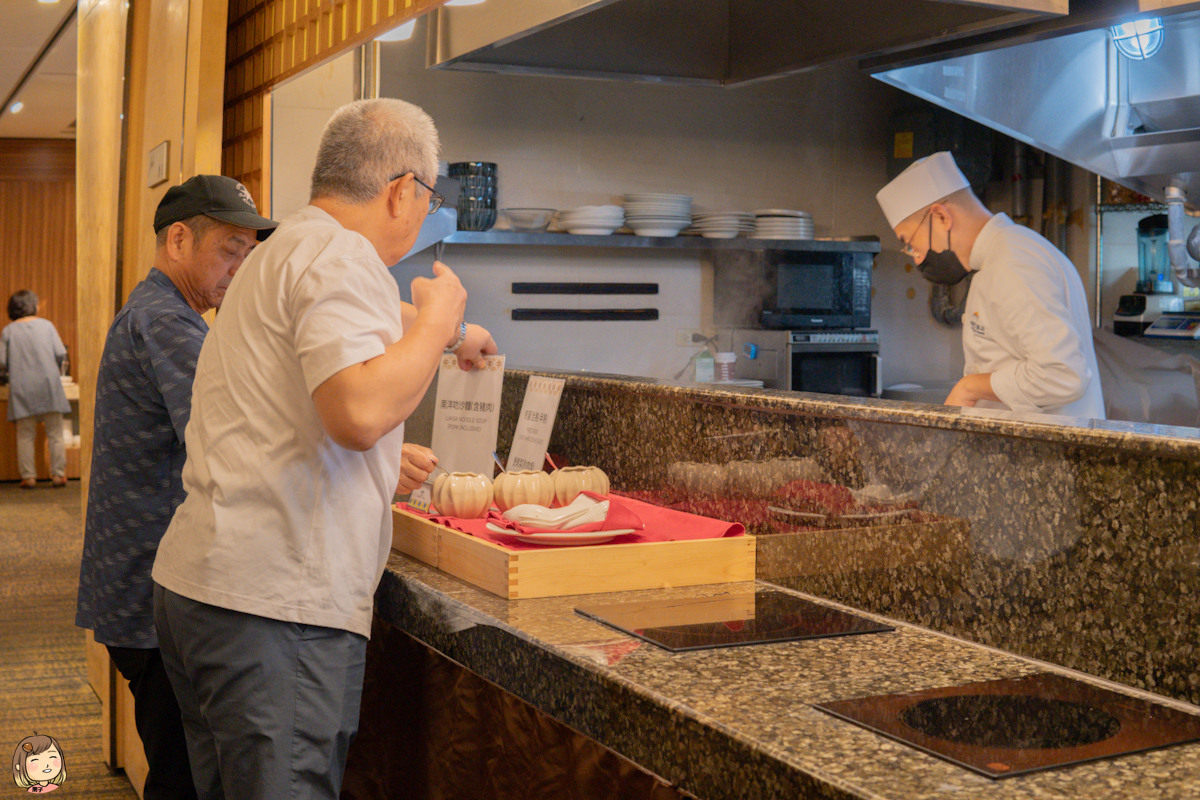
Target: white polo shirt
279, 520
1026, 323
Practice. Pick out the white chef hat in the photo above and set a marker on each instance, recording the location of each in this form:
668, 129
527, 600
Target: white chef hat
923, 183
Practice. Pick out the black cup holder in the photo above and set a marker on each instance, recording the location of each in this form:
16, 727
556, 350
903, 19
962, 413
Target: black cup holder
1010, 721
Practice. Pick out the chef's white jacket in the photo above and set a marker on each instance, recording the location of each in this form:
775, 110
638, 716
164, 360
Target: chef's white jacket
1026, 323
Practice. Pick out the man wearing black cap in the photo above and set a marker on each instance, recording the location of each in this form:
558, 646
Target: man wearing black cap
205, 228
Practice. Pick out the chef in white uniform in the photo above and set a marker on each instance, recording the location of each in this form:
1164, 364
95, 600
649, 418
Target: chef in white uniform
1027, 337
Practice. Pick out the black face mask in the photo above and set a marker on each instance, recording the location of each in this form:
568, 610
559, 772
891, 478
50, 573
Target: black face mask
941, 266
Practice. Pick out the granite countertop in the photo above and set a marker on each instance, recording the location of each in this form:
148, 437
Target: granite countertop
738, 722
1167, 440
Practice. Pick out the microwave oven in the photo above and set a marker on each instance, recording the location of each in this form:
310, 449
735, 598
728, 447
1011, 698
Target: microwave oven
827, 362
814, 290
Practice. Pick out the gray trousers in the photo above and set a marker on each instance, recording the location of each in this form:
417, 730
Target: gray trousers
27, 436
269, 707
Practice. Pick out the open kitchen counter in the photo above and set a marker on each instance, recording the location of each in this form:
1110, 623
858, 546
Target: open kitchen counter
1072, 545
739, 722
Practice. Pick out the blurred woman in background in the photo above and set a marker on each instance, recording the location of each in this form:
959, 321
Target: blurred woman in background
32, 352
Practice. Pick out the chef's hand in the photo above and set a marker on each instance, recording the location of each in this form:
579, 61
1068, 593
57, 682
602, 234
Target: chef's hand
416, 462
479, 343
970, 390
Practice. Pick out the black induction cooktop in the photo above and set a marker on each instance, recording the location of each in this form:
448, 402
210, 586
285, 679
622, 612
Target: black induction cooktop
1014, 726
729, 620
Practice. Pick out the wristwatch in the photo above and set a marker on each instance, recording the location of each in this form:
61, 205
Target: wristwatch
462, 337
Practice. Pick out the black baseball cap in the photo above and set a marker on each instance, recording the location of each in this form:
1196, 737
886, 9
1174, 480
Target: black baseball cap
213, 196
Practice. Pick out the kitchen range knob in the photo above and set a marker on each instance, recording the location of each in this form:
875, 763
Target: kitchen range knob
465, 495
527, 486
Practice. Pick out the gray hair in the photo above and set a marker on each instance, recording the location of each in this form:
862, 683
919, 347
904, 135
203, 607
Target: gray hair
368, 143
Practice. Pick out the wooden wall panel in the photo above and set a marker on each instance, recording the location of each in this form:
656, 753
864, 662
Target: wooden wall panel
37, 228
37, 159
100, 107
157, 85
37, 248
270, 41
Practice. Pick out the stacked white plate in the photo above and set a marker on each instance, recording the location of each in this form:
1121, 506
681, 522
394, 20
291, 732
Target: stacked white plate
591, 220
782, 223
722, 224
649, 214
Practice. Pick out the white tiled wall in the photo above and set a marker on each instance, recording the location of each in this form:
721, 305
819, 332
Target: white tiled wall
1120, 260
817, 142
299, 111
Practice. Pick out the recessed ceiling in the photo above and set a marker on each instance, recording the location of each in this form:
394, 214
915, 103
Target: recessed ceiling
37, 68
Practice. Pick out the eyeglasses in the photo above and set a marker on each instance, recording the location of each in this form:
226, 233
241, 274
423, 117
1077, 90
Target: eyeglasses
907, 248
435, 199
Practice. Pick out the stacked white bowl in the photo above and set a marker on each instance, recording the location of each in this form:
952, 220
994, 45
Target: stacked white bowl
722, 224
650, 214
782, 223
591, 220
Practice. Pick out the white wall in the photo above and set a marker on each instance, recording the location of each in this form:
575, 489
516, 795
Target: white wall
1120, 260
816, 142
299, 110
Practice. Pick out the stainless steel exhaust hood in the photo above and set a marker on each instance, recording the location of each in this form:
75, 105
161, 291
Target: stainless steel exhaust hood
1052, 80
719, 42
1062, 86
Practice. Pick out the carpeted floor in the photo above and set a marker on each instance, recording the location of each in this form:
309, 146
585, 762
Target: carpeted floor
43, 678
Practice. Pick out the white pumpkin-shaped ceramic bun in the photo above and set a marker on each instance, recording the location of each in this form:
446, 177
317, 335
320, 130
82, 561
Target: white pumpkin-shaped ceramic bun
527, 486
465, 495
570, 481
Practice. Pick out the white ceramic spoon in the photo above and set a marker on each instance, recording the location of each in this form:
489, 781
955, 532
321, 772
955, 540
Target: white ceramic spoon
582, 510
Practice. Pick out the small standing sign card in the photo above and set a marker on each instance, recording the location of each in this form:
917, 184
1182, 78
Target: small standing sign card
466, 418
532, 437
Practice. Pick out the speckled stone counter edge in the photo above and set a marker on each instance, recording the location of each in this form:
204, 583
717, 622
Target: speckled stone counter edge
1145, 438
668, 732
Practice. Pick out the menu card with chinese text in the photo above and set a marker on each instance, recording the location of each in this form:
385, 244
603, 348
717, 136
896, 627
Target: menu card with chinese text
466, 417
535, 424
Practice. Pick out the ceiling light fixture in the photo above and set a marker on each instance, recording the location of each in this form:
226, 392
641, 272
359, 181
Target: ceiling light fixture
464, 2
1139, 39
15, 107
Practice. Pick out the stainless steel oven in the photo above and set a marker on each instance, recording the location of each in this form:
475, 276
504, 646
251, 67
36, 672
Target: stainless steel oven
842, 362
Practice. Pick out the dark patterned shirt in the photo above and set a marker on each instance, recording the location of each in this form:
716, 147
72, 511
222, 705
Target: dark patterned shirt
143, 401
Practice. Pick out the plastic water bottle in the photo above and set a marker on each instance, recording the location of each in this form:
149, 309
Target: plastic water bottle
704, 367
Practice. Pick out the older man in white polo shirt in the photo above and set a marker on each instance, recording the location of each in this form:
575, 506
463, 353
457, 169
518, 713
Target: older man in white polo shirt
1027, 337
267, 572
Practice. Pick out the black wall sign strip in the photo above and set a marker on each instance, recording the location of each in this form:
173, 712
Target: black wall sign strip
585, 288
584, 315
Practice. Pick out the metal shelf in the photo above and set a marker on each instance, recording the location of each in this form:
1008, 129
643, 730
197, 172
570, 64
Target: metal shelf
1138, 208
849, 244
1141, 208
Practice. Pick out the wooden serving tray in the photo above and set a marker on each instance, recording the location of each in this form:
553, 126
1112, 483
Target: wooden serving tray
557, 571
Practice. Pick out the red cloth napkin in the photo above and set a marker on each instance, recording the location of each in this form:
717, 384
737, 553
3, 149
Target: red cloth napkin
657, 524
